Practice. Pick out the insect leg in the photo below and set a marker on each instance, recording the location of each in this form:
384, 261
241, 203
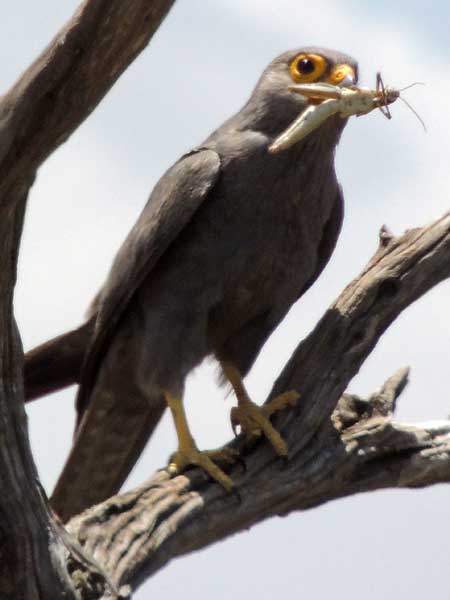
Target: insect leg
382, 97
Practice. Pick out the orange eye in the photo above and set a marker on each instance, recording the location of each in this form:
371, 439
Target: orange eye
307, 68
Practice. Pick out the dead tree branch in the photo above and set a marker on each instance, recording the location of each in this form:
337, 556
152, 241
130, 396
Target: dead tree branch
334, 451
68, 80
339, 444
58, 91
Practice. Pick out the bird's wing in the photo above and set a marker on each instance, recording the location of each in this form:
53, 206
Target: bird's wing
329, 238
111, 435
174, 200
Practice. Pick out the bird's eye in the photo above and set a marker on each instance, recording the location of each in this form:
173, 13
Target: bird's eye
306, 68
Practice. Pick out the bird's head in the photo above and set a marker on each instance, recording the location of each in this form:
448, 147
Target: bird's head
273, 105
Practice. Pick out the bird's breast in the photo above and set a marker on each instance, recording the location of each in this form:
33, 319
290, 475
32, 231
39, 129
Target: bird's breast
268, 223
254, 242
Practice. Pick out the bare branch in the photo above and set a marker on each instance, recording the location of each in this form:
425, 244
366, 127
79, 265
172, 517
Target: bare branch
39, 113
64, 85
398, 274
133, 535
352, 409
359, 449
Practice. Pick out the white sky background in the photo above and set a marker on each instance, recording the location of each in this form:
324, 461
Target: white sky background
199, 69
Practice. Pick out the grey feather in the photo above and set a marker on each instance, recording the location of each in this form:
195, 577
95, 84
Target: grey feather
231, 237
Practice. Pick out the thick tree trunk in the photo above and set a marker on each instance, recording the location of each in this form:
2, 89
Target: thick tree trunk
48, 102
29, 547
335, 452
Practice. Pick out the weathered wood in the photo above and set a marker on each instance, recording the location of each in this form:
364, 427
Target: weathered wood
339, 444
49, 101
25, 530
68, 80
335, 452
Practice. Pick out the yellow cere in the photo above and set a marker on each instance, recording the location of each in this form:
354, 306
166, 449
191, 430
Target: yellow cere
339, 73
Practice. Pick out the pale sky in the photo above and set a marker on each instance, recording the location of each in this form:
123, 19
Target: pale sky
199, 69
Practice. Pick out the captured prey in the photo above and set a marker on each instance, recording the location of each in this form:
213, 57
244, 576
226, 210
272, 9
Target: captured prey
328, 100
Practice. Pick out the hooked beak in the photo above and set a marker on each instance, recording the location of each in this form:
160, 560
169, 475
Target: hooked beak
348, 81
320, 93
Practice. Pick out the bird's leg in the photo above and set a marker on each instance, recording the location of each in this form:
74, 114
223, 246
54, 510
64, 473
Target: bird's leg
189, 454
254, 420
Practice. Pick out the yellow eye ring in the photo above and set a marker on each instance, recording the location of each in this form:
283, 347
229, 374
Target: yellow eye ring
307, 68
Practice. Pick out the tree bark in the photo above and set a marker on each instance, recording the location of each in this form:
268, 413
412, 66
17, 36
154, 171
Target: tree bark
49, 101
339, 444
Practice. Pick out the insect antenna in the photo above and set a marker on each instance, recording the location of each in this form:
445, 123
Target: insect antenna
414, 111
411, 85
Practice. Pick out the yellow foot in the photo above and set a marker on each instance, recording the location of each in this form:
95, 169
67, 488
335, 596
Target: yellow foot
254, 420
206, 460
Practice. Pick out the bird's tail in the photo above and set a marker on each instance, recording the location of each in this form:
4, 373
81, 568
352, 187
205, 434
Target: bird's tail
111, 437
57, 363
112, 433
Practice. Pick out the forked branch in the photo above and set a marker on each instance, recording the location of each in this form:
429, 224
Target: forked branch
339, 444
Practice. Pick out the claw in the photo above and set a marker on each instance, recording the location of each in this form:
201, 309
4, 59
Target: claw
188, 453
206, 460
285, 399
254, 420
192, 456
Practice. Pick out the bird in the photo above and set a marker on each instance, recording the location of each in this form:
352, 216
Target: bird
231, 237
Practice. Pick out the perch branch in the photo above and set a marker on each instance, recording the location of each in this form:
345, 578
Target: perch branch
339, 444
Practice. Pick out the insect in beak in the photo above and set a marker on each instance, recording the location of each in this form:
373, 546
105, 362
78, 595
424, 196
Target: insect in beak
327, 100
386, 96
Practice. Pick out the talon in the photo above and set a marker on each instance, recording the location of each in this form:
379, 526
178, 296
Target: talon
192, 456
286, 399
188, 453
254, 420
172, 469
